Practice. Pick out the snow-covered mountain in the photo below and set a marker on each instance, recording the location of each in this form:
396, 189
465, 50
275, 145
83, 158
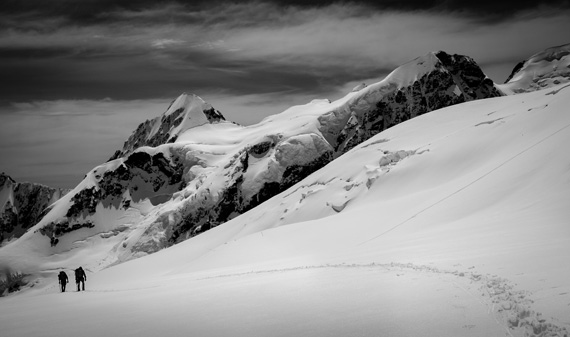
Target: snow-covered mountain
22, 205
547, 68
427, 83
453, 223
184, 113
190, 170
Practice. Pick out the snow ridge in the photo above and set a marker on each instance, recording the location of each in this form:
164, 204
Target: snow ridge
184, 113
424, 84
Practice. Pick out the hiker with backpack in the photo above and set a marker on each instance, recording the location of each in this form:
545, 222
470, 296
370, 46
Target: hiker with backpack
63, 280
80, 277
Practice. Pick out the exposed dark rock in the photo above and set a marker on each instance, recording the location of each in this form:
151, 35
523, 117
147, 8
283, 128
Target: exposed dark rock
143, 137
142, 175
84, 203
260, 149
203, 214
213, 115
515, 70
6, 180
455, 79
8, 221
55, 230
295, 173
25, 205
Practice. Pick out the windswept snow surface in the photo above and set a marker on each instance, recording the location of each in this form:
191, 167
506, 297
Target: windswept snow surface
454, 223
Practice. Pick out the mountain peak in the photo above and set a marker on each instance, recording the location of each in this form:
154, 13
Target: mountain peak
185, 112
429, 82
6, 179
185, 101
471, 79
411, 71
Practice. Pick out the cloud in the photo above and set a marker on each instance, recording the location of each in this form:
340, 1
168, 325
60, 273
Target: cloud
248, 59
165, 43
336, 40
144, 50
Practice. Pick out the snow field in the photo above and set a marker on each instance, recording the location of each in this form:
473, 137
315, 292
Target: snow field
333, 300
467, 235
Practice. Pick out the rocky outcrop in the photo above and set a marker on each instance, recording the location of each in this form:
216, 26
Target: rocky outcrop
450, 79
140, 176
56, 230
23, 205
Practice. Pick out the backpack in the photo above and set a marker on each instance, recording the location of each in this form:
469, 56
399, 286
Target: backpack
79, 273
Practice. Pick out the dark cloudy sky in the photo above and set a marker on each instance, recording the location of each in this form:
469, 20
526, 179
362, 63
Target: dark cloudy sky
78, 76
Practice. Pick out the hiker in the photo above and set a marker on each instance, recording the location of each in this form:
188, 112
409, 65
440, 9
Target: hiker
63, 280
80, 277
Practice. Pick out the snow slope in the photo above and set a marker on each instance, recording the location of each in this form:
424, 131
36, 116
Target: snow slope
454, 223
